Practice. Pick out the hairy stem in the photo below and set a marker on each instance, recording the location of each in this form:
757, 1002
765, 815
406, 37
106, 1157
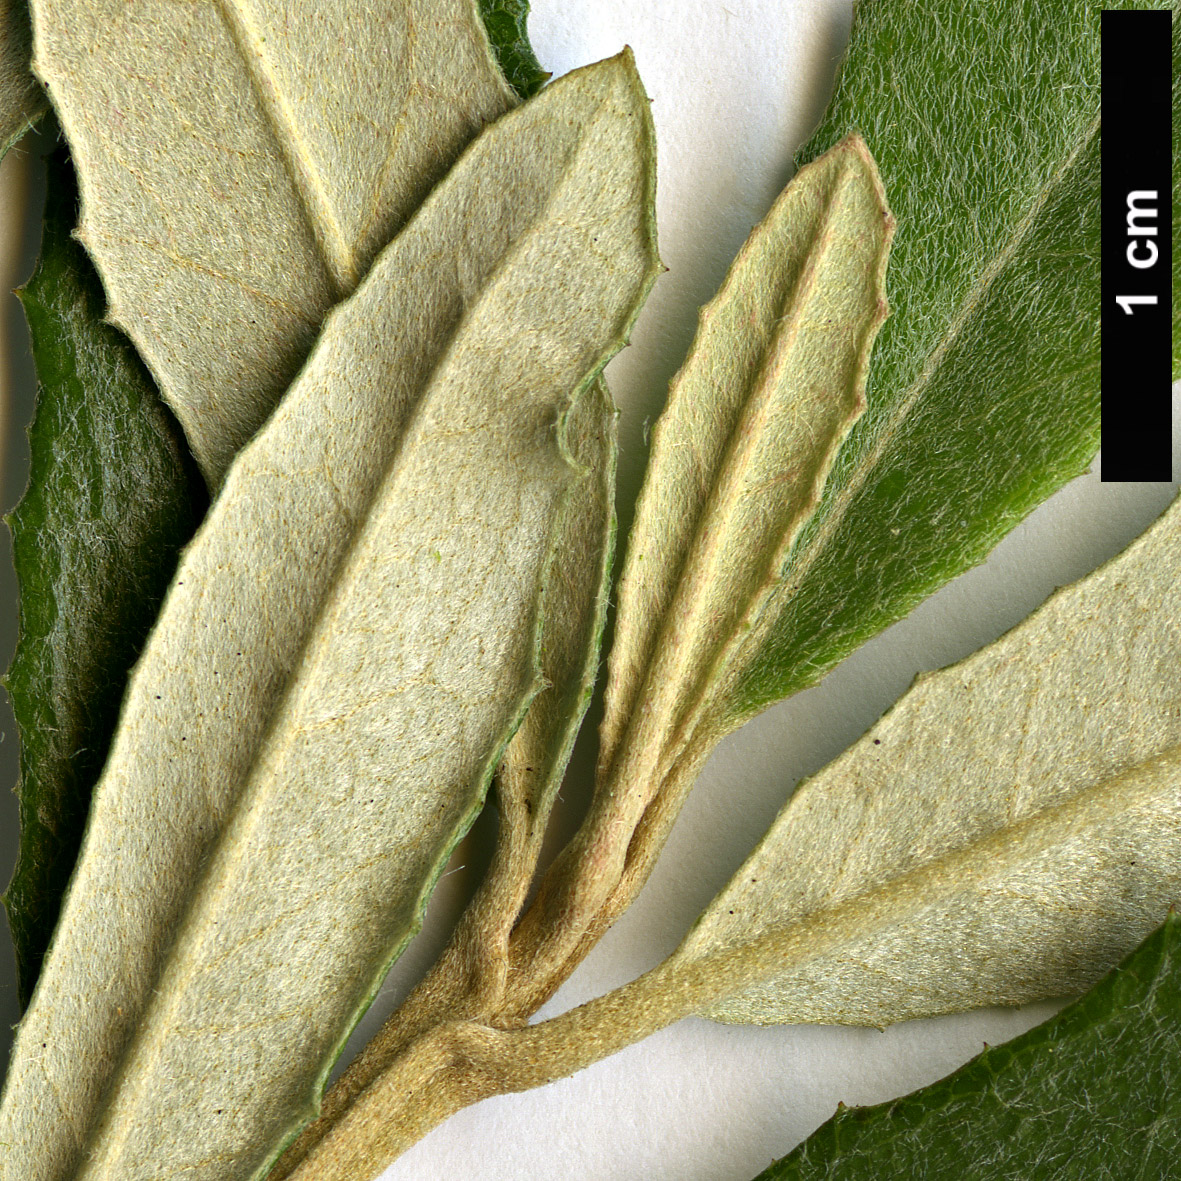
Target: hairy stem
462, 1062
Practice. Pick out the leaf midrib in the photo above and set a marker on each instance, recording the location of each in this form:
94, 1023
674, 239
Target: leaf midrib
305, 665
745, 439
816, 546
836, 921
339, 257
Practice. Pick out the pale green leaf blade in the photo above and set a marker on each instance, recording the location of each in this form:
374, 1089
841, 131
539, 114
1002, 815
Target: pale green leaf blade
112, 497
22, 101
345, 652
1006, 832
573, 611
983, 118
242, 162
111, 552
773, 382
1091, 1093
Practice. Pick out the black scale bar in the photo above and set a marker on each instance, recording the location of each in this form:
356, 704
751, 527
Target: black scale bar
1137, 245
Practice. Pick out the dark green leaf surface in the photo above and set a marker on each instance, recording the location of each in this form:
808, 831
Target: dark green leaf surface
984, 390
1093, 1094
22, 101
112, 497
505, 22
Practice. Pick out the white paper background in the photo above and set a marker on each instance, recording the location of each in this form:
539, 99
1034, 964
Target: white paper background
735, 87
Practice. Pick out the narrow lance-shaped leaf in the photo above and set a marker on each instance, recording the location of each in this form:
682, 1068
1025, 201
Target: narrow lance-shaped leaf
574, 607
1091, 1093
22, 101
81, 639
112, 497
773, 383
1007, 832
347, 648
771, 386
469, 979
573, 613
984, 396
241, 164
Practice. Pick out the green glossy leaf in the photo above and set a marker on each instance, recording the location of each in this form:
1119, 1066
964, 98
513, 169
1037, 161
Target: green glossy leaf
505, 22
348, 645
112, 497
1095, 1092
22, 101
983, 397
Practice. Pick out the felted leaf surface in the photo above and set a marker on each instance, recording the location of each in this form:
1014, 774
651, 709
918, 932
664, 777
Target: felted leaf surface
347, 648
984, 395
1006, 832
573, 611
468, 979
22, 101
1091, 1093
67, 679
773, 382
241, 164
112, 497
112, 567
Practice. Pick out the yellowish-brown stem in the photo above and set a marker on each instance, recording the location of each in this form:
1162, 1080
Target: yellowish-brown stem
460, 1063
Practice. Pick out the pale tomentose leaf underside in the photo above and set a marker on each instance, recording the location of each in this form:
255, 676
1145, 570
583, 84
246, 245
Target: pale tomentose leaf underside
242, 162
1091, 1093
773, 383
110, 503
470, 978
347, 649
771, 386
1007, 832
